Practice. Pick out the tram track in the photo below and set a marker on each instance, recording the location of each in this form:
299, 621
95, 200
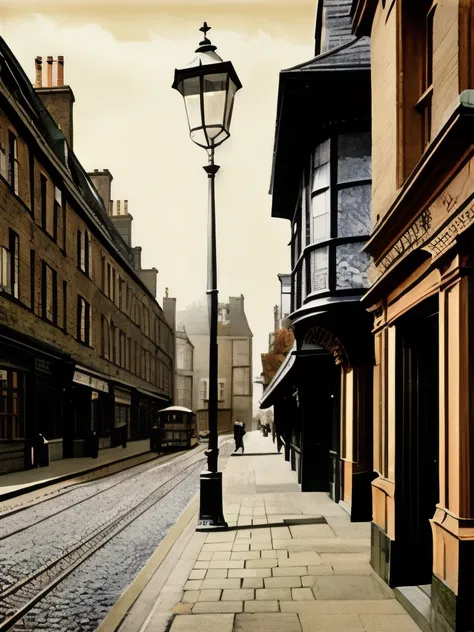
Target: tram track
165, 459
22, 596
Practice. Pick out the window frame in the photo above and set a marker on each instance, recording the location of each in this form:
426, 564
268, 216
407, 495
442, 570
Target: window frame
83, 314
13, 165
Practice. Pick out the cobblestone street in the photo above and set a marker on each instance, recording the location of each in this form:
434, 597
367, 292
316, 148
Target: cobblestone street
35, 537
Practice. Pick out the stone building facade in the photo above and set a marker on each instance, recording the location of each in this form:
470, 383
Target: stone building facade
84, 346
422, 60
235, 363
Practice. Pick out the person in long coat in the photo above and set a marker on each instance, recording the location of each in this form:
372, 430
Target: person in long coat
239, 432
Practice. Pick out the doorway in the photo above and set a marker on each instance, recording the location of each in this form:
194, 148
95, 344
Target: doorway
417, 442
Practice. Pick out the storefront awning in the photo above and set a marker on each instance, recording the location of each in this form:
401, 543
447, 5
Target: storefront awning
154, 395
281, 378
122, 397
92, 382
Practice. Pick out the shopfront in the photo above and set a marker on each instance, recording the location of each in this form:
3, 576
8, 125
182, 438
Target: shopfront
34, 393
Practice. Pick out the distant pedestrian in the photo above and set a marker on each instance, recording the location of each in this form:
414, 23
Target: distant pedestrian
239, 431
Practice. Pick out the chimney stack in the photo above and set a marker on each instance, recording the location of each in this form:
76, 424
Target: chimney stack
50, 71
58, 99
60, 70
38, 72
102, 180
121, 221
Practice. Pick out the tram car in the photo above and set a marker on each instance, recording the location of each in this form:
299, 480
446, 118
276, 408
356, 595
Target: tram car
177, 428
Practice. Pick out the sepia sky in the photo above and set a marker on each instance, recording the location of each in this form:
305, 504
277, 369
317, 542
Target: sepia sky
119, 60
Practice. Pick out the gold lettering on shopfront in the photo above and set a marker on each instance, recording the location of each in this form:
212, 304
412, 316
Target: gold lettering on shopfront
441, 242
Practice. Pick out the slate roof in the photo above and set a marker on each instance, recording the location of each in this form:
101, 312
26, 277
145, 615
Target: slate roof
338, 23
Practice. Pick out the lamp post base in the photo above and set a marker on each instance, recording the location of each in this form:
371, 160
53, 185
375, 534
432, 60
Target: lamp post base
211, 514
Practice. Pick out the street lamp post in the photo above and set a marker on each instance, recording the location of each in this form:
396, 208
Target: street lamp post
208, 86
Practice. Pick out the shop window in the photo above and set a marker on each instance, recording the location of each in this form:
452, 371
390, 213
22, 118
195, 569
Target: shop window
13, 165
83, 321
122, 416
11, 420
84, 253
49, 294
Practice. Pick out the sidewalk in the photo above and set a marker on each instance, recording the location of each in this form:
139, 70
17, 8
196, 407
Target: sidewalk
17, 483
309, 573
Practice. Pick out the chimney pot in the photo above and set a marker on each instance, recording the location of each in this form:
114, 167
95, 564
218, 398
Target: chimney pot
49, 59
125, 207
118, 207
38, 72
60, 70
111, 207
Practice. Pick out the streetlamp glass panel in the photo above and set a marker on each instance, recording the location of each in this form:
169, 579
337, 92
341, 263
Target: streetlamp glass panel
231, 90
214, 102
191, 91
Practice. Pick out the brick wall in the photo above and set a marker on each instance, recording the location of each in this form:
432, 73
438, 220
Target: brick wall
60, 252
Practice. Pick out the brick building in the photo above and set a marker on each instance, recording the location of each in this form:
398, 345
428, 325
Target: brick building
84, 345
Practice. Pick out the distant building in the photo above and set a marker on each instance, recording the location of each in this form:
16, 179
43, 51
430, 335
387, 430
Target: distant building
184, 379
235, 358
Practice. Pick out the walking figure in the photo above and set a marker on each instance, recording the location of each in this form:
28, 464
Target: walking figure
239, 431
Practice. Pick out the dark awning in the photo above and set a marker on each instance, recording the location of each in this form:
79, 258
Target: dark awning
281, 381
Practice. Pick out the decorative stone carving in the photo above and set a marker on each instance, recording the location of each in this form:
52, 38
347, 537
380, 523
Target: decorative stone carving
325, 339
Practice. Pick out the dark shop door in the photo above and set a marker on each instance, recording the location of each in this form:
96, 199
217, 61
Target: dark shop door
417, 440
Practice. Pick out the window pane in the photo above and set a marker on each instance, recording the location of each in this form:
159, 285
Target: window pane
354, 162
319, 269
352, 266
321, 154
353, 212
321, 205
321, 177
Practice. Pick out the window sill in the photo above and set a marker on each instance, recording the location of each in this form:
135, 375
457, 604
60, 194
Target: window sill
86, 274
16, 196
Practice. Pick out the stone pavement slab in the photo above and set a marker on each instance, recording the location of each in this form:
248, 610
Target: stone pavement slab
289, 578
203, 623
267, 622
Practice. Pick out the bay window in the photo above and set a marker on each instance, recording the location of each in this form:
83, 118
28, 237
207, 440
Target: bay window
336, 219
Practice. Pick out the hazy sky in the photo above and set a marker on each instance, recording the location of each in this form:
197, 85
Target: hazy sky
119, 60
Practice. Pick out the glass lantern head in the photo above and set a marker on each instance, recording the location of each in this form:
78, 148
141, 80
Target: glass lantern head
208, 86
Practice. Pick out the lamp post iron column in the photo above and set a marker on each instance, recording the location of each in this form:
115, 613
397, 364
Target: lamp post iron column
208, 86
